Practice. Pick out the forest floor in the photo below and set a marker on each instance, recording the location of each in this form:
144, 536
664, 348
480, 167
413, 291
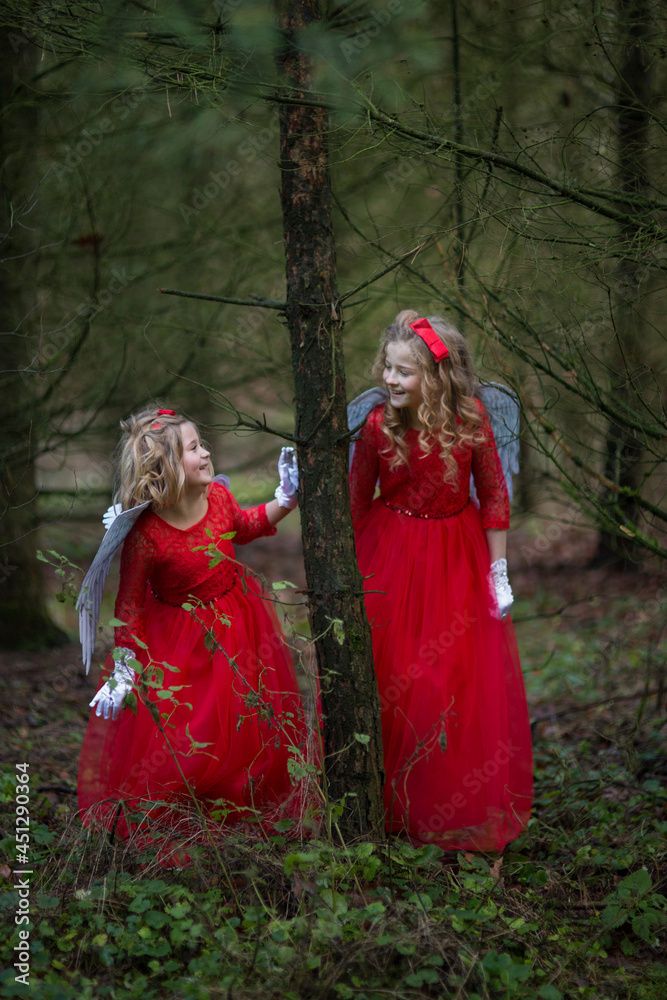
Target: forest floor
573, 908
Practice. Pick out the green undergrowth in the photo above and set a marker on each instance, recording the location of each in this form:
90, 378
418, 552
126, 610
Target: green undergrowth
574, 908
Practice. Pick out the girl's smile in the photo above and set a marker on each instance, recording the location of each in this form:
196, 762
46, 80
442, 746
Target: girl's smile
403, 379
196, 459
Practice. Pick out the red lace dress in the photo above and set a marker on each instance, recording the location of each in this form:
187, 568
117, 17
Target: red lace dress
234, 708
455, 728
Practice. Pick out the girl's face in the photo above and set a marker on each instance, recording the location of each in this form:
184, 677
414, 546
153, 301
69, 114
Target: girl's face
196, 463
403, 378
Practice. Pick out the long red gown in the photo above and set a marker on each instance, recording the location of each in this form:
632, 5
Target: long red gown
235, 689
456, 735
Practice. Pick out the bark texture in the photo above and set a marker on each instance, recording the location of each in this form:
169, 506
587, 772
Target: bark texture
343, 643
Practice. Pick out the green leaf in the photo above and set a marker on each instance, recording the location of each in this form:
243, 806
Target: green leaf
614, 916
362, 738
646, 924
634, 885
45, 902
299, 859
283, 585
421, 977
334, 900
420, 899
549, 992
139, 905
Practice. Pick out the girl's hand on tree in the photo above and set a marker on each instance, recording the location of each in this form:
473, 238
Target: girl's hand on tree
500, 588
110, 697
286, 493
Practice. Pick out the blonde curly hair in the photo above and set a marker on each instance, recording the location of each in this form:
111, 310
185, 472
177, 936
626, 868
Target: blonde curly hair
150, 459
448, 389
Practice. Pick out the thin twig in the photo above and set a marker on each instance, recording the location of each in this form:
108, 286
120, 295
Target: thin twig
591, 704
254, 301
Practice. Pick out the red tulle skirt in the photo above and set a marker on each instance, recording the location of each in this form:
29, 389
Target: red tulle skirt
455, 728
224, 731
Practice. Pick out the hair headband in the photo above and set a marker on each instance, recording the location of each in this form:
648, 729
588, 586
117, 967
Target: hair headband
162, 413
425, 332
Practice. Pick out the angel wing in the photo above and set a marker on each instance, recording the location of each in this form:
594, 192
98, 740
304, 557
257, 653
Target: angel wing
358, 410
502, 405
90, 596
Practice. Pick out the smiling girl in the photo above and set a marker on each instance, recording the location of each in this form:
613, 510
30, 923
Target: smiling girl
199, 651
455, 726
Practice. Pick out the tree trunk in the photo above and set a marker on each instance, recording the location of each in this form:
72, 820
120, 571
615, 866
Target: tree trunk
338, 619
24, 623
623, 449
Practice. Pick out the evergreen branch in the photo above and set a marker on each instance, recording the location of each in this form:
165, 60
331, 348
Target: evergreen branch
436, 143
255, 300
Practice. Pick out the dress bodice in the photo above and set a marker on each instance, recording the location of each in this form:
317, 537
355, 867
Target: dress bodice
179, 565
419, 488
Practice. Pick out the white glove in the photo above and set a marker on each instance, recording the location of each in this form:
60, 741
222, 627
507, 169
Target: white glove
111, 695
286, 493
501, 592
111, 515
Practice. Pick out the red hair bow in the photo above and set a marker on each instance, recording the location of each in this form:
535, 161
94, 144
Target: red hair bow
162, 413
425, 331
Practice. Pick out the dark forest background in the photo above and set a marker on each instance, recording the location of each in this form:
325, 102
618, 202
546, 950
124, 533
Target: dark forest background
501, 164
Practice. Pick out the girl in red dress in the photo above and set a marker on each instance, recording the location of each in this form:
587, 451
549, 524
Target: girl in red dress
214, 703
455, 727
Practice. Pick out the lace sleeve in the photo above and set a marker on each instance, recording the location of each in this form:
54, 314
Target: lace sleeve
249, 524
489, 480
136, 562
365, 468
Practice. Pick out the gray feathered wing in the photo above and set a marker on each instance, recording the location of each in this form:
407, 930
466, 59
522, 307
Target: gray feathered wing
90, 596
358, 410
92, 589
502, 405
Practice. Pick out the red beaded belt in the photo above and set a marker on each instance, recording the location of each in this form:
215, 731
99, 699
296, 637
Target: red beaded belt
237, 570
413, 513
